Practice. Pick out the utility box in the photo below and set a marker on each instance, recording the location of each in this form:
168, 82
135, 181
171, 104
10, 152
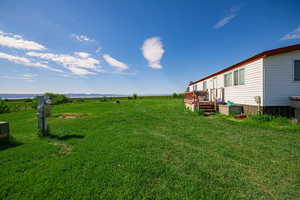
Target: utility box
230, 110
4, 131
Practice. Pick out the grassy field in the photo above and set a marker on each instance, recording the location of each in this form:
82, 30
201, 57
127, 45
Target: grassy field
148, 149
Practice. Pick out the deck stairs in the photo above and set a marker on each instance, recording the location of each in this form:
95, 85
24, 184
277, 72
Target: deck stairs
207, 106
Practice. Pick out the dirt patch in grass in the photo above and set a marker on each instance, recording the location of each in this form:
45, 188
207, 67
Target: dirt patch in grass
64, 148
70, 115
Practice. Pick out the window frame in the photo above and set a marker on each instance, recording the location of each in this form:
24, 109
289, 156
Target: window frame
236, 82
239, 75
294, 75
204, 84
228, 74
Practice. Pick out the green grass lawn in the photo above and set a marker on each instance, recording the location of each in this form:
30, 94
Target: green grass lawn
148, 149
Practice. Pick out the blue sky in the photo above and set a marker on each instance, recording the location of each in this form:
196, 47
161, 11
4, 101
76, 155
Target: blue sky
133, 46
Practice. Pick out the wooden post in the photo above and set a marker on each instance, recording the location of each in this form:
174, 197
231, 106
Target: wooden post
41, 115
4, 131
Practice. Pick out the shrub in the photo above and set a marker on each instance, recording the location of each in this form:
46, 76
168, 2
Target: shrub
4, 108
174, 95
200, 112
129, 98
34, 103
103, 99
262, 118
77, 100
28, 100
135, 96
181, 95
57, 98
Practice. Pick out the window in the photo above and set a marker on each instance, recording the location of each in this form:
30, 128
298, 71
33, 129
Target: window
297, 70
236, 77
239, 77
214, 82
242, 77
204, 86
228, 79
194, 87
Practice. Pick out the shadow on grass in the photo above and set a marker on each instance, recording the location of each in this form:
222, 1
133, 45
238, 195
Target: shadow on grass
64, 137
9, 143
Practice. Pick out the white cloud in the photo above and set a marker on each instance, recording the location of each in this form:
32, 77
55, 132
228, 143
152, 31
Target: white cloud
16, 41
232, 14
295, 34
73, 63
29, 77
153, 51
82, 54
224, 21
25, 61
80, 71
114, 62
82, 38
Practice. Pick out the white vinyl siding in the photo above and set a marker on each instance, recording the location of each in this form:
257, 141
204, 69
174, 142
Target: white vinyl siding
243, 93
279, 81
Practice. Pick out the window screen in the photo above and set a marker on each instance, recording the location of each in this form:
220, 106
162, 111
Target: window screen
297, 70
236, 77
228, 80
204, 85
241, 76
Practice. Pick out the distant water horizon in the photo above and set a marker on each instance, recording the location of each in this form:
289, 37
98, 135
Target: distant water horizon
70, 95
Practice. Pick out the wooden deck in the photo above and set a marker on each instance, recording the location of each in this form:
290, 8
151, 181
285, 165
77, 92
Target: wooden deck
191, 101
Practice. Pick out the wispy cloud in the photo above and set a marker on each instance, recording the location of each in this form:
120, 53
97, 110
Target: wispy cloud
82, 54
80, 64
16, 41
233, 12
25, 61
82, 38
295, 34
114, 62
29, 77
153, 51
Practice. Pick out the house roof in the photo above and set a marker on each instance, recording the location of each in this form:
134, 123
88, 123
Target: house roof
264, 54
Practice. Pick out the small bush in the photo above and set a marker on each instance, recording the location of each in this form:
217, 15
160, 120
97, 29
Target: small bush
200, 112
4, 108
175, 95
103, 99
135, 96
28, 100
262, 118
129, 98
77, 100
34, 104
57, 98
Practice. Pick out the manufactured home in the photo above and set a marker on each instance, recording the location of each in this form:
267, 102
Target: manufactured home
266, 80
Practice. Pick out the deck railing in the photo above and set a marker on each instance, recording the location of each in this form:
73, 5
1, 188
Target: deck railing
195, 97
